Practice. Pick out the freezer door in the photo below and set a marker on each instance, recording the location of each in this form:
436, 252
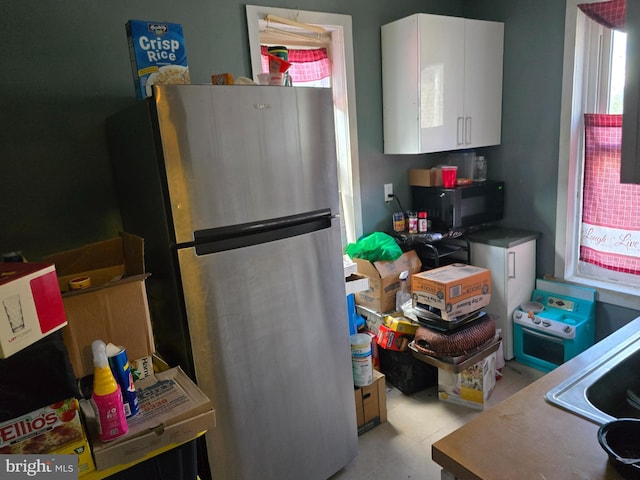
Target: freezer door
269, 333
236, 155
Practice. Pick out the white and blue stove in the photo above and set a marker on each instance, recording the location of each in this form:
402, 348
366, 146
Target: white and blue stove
555, 326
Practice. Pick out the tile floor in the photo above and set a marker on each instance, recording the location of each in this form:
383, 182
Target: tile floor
401, 447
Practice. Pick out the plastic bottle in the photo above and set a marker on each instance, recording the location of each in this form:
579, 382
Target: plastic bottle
403, 295
106, 396
422, 222
413, 222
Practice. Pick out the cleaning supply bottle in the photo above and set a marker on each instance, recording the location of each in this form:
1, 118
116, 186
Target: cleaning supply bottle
403, 295
106, 396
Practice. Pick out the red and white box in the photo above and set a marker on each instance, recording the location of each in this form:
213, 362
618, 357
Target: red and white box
30, 305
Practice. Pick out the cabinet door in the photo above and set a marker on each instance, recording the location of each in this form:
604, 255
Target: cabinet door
422, 82
441, 83
482, 83
441, 77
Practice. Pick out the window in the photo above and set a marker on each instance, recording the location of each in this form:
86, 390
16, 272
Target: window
310, 67
339, 46
593, 83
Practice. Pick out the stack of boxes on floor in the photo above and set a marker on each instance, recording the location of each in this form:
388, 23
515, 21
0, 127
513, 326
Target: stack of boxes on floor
455, 334
369, 382
46, 362
453, 296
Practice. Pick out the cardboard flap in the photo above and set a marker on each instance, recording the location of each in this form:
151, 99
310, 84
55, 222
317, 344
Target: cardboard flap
103, 262
408, 261
365, 267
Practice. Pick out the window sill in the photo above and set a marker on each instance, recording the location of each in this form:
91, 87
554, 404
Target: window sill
622, 295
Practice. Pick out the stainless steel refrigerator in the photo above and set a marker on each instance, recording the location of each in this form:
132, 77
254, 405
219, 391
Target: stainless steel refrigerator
234, 190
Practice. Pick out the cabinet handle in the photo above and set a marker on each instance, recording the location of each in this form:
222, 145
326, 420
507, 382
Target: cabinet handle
512, 264
460, 131
467, 130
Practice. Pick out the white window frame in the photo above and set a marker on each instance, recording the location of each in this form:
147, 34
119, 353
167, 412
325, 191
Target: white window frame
344, 99
580, 84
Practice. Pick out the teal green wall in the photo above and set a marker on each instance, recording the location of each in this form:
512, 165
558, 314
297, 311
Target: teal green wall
64, 67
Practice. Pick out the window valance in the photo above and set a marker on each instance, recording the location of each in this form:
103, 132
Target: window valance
611, 13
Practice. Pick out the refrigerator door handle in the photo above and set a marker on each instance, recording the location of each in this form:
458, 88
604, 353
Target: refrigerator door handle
220, 239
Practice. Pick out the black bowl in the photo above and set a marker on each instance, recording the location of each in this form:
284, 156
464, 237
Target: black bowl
621, 438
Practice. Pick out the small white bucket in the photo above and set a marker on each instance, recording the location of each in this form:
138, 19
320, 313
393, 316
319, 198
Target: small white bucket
361, 359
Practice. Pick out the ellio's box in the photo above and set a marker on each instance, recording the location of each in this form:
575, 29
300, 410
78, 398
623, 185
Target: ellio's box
158, 55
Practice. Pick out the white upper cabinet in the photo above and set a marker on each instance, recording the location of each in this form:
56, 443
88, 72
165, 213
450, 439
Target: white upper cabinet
442, 83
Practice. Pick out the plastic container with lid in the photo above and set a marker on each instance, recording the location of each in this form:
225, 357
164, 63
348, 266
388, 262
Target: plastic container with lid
480, 169
413, 222
422, 222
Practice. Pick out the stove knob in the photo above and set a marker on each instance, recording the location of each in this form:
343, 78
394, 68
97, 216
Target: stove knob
517, 314
536, 320
567, 329
546, 324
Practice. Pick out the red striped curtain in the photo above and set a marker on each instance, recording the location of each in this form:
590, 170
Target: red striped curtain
611, 13
611, 210
306, 65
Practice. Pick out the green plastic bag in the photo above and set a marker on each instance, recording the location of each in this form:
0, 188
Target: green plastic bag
374, 247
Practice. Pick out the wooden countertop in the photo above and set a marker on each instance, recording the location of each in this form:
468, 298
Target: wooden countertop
524, 437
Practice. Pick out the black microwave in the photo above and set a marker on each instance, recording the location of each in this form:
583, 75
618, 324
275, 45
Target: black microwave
460, 207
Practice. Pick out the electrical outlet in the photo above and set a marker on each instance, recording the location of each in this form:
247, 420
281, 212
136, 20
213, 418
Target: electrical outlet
388, 192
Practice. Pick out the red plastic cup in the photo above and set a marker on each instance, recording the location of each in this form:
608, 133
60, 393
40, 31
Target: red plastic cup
449, 174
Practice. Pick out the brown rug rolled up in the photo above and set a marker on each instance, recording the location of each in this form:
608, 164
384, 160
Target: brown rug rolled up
458, 342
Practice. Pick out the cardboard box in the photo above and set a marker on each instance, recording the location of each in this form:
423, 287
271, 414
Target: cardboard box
173, 410
471, 387
384, 281
455, 289
371, 403
114, 309
30, 305
390, 340
356, 283
425, 177
82, 449
158, 55
44, 430
401, 325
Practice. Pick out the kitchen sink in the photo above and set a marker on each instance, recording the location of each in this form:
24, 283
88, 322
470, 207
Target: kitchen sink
607, 389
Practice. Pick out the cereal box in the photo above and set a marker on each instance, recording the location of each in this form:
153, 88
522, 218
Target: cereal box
158, 55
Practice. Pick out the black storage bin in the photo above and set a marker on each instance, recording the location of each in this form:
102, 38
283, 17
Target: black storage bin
405, 372
179, 463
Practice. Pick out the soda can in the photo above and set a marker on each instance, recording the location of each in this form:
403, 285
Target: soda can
121, 370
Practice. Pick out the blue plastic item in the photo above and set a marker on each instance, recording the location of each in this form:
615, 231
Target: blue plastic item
356, 322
